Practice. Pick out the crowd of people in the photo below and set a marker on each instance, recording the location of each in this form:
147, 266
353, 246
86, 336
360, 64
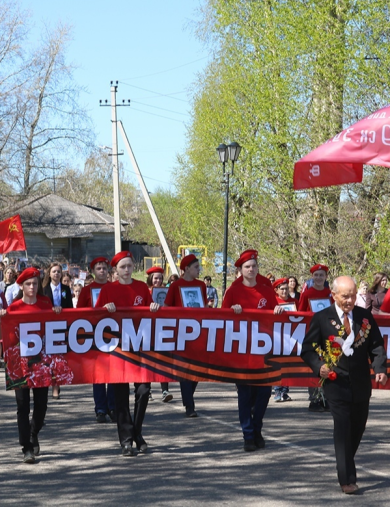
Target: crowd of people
111, 285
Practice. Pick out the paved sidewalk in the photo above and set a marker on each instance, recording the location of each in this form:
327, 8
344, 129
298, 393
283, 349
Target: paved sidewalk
191, 462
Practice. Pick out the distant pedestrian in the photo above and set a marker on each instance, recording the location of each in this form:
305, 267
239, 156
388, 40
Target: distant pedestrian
76, 291
293, 287
376, 293
361, 297
103, 394
59, 294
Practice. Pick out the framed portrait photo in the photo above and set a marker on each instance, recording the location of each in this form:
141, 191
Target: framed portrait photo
288, 307
159, 294
316, 305
83, 274
191, 297
74, 271
95, 291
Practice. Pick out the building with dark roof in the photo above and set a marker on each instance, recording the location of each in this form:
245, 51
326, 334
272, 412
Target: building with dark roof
58, 229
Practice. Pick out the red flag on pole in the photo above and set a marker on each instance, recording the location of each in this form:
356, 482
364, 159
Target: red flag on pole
11, 235
340, 160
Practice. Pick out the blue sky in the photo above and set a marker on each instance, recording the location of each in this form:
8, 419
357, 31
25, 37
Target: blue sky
150, 48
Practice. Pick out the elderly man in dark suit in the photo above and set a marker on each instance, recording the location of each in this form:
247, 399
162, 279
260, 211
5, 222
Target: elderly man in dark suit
341, 343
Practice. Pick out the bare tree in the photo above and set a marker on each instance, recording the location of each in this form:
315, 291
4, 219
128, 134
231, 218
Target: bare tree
93, 186
12, 66
50, 121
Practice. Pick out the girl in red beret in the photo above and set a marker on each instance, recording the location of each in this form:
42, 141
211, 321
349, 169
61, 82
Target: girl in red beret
282, 291
30, 300
156, 279
281, 287
318, 290
250, 292
128, 292
191, 268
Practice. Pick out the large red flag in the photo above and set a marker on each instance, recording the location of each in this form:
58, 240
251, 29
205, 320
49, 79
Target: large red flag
11, 235
340, 160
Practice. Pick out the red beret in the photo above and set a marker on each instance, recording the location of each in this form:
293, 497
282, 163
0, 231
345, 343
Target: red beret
99, 259
278, 282
27, 274
119, 256
245, 256
187, 260
154, 269
319, 267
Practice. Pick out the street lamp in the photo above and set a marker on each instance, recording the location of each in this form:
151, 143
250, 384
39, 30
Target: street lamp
234, 150
231, 152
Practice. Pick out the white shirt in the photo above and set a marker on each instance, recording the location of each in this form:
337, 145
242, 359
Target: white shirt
12, 292
361, 300
347, 346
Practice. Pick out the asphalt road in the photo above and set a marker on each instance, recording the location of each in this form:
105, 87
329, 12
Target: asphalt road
191, 462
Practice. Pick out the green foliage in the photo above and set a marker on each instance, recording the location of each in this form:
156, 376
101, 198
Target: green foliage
285, 77
169, 211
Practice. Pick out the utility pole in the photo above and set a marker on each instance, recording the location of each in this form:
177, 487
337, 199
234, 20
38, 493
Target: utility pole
115, 164
148, 201
115, 175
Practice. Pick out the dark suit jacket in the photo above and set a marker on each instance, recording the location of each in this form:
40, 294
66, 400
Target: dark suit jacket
66, 295
353, 381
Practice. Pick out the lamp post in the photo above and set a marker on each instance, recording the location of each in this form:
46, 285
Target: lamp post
231, 152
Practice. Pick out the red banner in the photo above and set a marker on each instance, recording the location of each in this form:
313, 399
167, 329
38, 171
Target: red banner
85, 346
11, 235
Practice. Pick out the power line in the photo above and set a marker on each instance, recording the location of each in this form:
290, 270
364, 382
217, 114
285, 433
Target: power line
168, 70
161, 108
148, 177
159, 115
169, 95
156, 93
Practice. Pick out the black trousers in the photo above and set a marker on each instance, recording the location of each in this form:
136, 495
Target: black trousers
254, 398
187, 388
164, 386
26, 429
128, 427
349, 425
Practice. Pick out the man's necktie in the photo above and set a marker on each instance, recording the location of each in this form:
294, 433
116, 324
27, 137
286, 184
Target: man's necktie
58, 296
347, 326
